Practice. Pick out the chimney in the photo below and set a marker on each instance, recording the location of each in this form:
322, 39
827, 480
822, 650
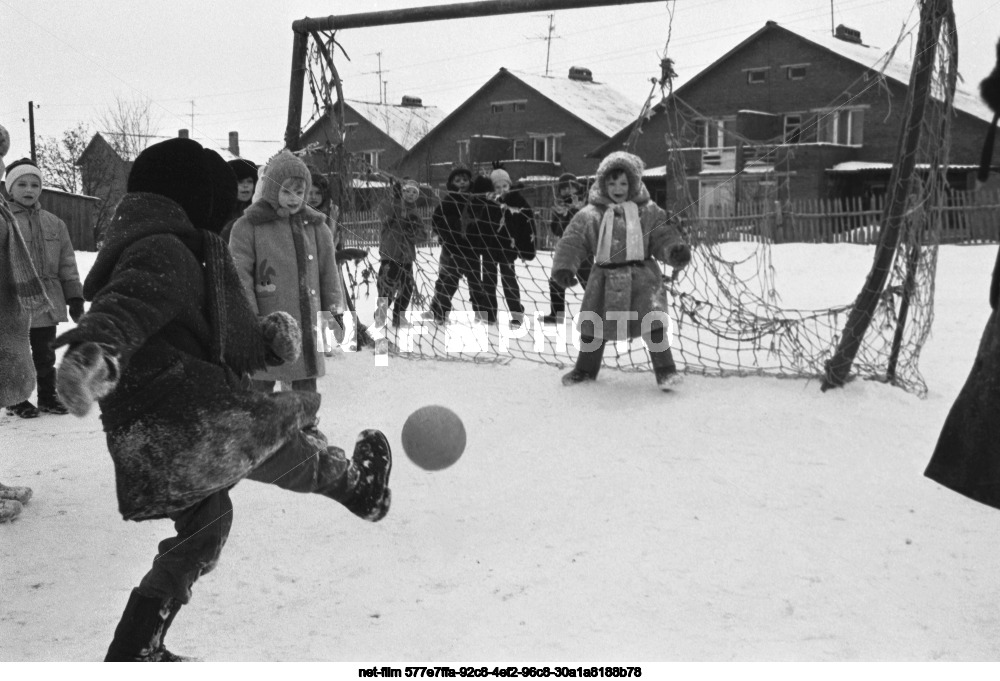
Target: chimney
848, 35
183, 133
412, 101
580, 73
234, 143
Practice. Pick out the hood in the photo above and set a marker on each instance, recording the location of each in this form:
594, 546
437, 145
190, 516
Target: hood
633, 167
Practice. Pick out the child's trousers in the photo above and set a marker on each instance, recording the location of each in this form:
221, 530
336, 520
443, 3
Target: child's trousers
302, 465
589, 361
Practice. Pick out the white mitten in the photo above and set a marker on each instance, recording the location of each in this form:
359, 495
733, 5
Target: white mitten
86, 374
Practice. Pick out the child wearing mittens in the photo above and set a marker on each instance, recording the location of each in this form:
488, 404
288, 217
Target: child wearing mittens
625, 233
286, 259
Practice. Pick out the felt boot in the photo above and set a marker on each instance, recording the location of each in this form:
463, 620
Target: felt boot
139, 634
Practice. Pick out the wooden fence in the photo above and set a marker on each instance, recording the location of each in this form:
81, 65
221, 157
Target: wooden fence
969, 217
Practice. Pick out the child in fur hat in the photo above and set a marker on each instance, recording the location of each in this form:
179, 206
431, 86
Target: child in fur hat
625, 233
285, 255
54, 258
20, 291
164, 349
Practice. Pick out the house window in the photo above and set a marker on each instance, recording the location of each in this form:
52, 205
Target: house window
796, 72
711, 133
793, 129
546, 148
756, 76
519, 147
511, 105
463, 151
841, 126
371, 158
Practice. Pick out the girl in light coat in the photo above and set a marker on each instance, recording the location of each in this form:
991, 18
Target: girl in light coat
286, 259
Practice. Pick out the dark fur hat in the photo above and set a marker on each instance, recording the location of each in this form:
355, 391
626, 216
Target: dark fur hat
244, 169
458, 169
196, 178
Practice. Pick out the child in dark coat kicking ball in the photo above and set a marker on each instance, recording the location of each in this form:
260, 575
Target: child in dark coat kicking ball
625, 233
166, 349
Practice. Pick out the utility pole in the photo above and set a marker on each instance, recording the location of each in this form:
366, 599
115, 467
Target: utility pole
548, 40
833, 31
31, 131
385, 94
381, 82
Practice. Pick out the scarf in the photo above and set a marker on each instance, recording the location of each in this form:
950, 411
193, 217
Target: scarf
229, 312
634, 247
27, 284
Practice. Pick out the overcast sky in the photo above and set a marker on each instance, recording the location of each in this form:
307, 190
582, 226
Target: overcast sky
232, 59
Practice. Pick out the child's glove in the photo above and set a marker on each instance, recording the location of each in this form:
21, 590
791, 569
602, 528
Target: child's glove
282, 337
679, 255
563, 278
85, 374
75, 309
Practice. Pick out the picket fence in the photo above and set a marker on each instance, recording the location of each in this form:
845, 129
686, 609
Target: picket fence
968, 217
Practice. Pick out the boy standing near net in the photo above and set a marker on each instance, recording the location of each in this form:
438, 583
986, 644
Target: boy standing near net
625, 233
52, 254
567, 204
402, 228
454, 221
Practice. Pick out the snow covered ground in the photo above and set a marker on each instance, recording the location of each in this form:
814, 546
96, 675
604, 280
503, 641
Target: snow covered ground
735, 520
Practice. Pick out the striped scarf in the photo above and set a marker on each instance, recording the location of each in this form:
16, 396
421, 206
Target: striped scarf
634, 247
27, 284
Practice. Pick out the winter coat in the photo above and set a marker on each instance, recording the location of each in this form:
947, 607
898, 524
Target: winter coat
504, 228
238, 209
454, 222
967, 456
54, 258
625, 286
17, 371
278, 276
168, 304
402, 229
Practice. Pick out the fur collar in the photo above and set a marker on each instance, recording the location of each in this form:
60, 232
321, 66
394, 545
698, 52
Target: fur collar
261, 212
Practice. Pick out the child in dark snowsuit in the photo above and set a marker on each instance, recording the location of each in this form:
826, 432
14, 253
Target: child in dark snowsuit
505, 229
166, 350
625, 233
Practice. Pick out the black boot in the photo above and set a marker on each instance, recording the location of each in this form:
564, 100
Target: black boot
364, 486
588, 364
139, 634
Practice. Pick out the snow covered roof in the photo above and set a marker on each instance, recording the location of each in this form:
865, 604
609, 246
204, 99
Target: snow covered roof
894, 66
597, 104
862, 166
406, 125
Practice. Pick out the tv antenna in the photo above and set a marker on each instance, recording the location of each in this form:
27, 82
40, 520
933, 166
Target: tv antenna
548, 40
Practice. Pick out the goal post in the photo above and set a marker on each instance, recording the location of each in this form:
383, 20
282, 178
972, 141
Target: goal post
303, 28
